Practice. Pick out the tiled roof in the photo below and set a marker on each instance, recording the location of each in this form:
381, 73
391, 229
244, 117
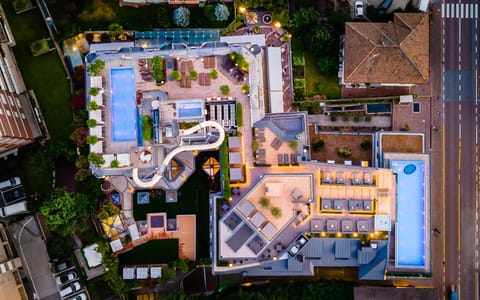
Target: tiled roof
395, 52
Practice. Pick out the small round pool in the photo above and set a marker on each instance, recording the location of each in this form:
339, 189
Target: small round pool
409, 169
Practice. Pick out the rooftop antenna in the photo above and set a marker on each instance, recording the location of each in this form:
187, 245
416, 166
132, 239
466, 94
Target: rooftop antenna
384, 41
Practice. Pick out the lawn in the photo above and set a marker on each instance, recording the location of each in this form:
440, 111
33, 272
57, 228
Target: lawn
44, 74
152, 252
318, 84
405, 143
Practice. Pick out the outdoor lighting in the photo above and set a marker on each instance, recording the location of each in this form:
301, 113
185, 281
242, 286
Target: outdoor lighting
277, 24
323, 234
274, 258
339, 234
106, 178
242, 9
131, 190
355, 234
74, 48
230, 265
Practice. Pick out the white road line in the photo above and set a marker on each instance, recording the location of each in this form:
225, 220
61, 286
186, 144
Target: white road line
461, 11
471, 10
457, 10
476, 11
443, 10
466, 11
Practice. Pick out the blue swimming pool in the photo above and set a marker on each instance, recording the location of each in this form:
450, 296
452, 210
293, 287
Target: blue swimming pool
123, 110
410, 229
190, 109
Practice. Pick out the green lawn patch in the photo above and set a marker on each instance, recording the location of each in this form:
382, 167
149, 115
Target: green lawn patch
152, 252
146, 128
41, 71
317, 83
39, 47
239, 114
227, 193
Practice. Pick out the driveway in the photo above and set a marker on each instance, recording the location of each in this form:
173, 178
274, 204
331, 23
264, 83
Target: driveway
31, 248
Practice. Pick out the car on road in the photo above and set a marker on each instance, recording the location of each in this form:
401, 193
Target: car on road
81, 296
66, 278
13, 209
62, 265
10, 182
70, 289
359, 9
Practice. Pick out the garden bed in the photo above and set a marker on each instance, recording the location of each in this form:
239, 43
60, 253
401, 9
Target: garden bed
349, 141
408, 143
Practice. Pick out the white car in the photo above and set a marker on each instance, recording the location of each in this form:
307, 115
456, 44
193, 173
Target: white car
13, 209
70, 289
65, 278
81, 296
358, 9
10, 182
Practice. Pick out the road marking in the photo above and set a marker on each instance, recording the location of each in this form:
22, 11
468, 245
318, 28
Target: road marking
443, 10
461, 11
476, 11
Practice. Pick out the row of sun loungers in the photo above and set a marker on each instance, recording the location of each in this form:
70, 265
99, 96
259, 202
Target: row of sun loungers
186, 82
186, 66
209, 62
204, 79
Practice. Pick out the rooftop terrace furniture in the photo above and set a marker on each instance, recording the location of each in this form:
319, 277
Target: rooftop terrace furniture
367, 178
332, 226
97, 147
347, 226
269, 230
326, 204
297, 194
316, 225
108, 158
246, 208
363, 226
340, 178
124, 159
142, 273
276, 143
285, 158
327, 178
128, 273
257, 219
356, 179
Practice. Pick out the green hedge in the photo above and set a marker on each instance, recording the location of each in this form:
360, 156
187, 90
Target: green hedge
227, 193
146, 128
239, 115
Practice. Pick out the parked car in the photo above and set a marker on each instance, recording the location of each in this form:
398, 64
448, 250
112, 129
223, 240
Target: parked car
81, 296
13, 209
359, 9
63, 265
70, 289
65, 278
10, 182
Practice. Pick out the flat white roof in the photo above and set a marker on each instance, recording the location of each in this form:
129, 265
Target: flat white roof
275, 82
93, 257
110, 46
254, 39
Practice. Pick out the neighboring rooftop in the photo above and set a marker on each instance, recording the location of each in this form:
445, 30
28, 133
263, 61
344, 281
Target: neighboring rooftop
388, 53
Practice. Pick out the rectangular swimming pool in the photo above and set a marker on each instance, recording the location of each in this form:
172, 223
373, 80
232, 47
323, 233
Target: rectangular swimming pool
123, 110
190, 109
410, 230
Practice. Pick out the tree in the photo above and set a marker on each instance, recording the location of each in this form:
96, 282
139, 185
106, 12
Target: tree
208, 11
115, 30
181, 265
176, 75
276, 212
114, 164
225, 89
245, 88
193, 75
112, 265
82, 175
93, 91
79, 136
264, 202
293, 145
168, 274
327, 65
181, 16
321, 40
63, 211
95, 159
108, 210
92, 105
318, 146
213, 74
304, 18
344, 152
95, 67
81, 162
91, 139
221, 12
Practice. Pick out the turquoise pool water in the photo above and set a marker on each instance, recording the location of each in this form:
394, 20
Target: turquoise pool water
410, 230
123, 109
190, 109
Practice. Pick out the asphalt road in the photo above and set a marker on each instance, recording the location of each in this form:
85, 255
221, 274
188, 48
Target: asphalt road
460, 147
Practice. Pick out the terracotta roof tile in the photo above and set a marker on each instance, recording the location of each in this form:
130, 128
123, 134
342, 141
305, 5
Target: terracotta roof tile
388, 52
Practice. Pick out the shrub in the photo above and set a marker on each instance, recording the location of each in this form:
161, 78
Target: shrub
39, 47
298, 61
208, 11
333, 117
96, 159
356, 118
344, 152
276, 212
176, 75
114, 164
91, 139
92, 105
293, 145
298, 83
146, 128
345, 117
221, 12
406, 128
79, 135
245, 88
318, 146
91, 123
366, 145
21, 5
213, 74
93, 91
225, 89
81, 162
193, 75
95, 67
181, 16
264, 202
108, 210
368, 118
157, 68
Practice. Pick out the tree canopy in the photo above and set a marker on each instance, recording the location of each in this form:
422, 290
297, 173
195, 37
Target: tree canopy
181, 16
95, 67
221, 12
63, 211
